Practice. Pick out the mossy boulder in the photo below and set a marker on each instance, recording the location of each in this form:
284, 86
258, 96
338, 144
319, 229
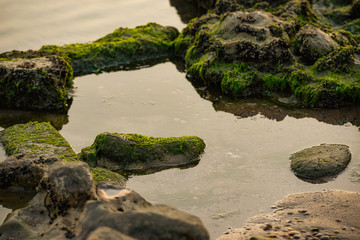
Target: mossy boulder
134, 153
122, 47
320, 161
313, 44
255, 54
35, 81
36, 138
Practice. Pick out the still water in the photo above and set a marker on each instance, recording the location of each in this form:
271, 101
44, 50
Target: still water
245, 168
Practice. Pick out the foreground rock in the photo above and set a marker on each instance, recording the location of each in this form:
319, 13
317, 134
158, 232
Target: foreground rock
67, 205
122, 47
35, 82
319, 215
141, 154
255, 53
34, 146
320, 161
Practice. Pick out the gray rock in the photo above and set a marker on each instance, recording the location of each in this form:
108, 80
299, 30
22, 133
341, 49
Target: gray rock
131, 215
320, 161
313, 43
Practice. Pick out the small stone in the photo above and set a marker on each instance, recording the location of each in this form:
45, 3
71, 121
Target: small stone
338, 220
294, 232
296, 237
336, 231
325, 238
272, 236
315, 230
352, 229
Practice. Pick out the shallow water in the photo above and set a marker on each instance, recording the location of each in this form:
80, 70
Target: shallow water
245, 168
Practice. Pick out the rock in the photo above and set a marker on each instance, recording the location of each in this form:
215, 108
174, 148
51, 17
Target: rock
131, 215
35, 81
314, 44
325, 207
255, 53
71, 184
42, 145
223, 6
320, 161
124, 46
106, 178
141, 154
23, 171
40, 139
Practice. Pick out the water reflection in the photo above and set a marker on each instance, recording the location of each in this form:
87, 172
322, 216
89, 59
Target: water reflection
9, 117
277, 108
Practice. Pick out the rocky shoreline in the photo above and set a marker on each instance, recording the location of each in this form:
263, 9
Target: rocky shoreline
304, 49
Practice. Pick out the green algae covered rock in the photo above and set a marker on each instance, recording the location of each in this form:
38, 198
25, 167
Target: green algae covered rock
36, 138
320, 161
141, 154
122, 47
255, 53
35, 81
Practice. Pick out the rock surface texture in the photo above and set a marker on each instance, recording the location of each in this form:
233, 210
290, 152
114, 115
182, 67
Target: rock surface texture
35, 82
141, 154
320, 161
68, 205
319, 215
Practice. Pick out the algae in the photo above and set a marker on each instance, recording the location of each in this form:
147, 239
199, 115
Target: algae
36, 138
119, 151
122, 47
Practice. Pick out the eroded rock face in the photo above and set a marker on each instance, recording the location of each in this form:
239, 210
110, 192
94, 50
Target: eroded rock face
320, 161
35, 81
324, 215
141, 154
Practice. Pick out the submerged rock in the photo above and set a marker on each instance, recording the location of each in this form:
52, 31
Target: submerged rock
141, 154
320, 161
322, 215
122, 47
35, 81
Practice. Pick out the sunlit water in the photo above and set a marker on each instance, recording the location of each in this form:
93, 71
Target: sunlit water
245, 168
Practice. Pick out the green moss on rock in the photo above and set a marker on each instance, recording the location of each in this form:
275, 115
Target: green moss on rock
134, 152
35, 81
107, 177
122, 47
38, 139
320, 161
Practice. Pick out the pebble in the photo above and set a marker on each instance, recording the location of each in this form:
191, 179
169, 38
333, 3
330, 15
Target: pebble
325, 238
294, 232
336, 231
296, 237
338, 220
315, 230
352, 229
